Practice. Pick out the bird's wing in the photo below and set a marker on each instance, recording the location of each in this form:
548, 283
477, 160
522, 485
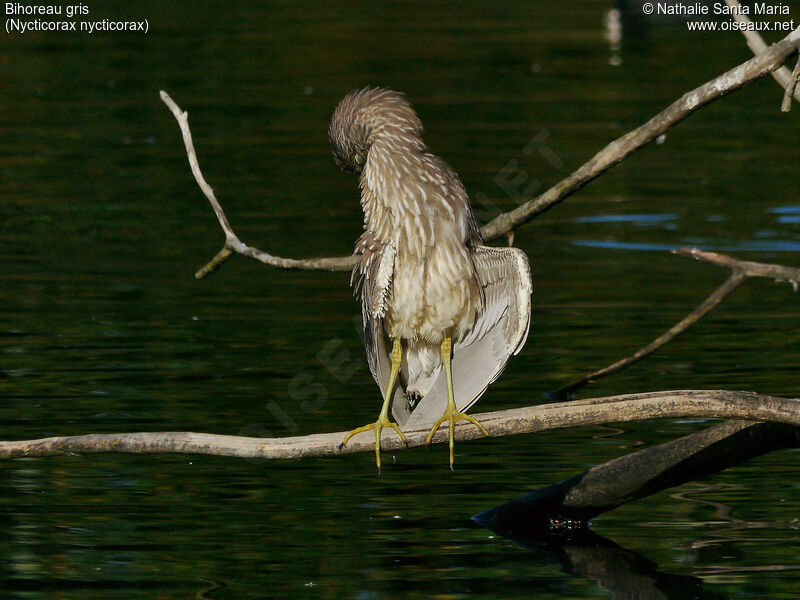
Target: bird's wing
500, 330
375, 292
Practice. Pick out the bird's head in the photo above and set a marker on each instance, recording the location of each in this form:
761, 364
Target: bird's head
362, 117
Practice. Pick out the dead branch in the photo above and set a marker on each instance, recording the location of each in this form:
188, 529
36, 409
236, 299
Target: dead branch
757, 44
741, 271
577, 499
746, 267
629, 407
767, 61
762, 64
791, 88
232, 241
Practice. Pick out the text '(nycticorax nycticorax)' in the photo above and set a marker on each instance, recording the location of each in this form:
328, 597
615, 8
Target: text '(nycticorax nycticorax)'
430, 290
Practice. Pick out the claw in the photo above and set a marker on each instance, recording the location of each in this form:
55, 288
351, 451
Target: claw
383, 418
382, 422
453, 416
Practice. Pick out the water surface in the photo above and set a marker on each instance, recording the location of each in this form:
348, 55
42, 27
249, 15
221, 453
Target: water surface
103, 327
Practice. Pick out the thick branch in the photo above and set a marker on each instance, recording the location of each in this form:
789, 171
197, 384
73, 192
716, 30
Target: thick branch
762, 64
577, 499
629, 407
742, 270
766, 62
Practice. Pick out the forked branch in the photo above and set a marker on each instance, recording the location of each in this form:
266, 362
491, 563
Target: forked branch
741, 271
786, 79
232, 241
762, 64
765, 62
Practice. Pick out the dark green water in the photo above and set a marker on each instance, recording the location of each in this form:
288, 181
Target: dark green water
103, 327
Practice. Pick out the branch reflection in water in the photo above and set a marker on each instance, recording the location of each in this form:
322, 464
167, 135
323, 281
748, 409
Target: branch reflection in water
554, 520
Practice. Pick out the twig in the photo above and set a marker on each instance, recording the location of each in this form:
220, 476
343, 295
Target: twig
741, 272
767, 61
749, 268
757, 45
791, 88
628, 407
693, 317
584, 496
232, 242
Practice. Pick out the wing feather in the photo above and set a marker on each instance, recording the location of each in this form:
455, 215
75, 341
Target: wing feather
375, 279
500, 330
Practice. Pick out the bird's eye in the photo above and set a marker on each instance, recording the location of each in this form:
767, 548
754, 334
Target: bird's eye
359, 158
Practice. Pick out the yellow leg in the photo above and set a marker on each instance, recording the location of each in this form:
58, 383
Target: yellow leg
451, 415
383, 417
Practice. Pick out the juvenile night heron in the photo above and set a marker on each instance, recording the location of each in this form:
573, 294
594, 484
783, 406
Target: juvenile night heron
430, 290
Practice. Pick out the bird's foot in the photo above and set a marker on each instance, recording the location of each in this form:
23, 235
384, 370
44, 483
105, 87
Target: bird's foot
382, 422
452, 416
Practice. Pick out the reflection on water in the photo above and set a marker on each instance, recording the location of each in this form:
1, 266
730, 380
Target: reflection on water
103, 328
788, 214
555, 518
670, 222
640, 220
745, 246
623, 573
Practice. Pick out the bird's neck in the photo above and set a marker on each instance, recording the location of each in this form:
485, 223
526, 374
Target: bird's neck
388, 180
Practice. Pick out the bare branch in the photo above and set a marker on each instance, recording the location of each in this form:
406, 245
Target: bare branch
183, 121
629, 407
742, 271
766, 62
757, 44
791, 88
750, 269
581, 497
214, 264
693, 317
232, 242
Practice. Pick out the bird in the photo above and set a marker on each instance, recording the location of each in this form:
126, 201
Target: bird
442, 312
